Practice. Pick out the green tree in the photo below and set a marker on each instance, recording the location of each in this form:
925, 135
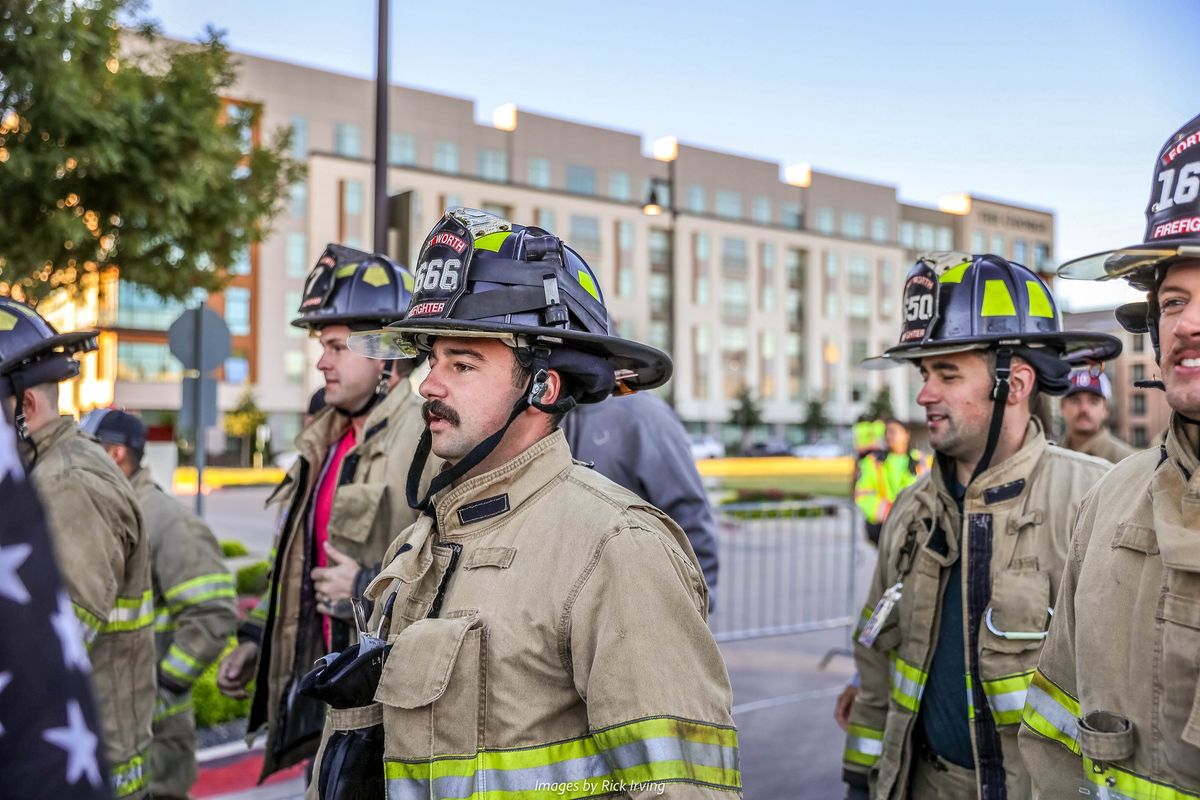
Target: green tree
117, 149
881, 404
242, 423
747, 415
815, 420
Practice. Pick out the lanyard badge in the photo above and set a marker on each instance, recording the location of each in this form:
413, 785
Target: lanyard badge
879, 616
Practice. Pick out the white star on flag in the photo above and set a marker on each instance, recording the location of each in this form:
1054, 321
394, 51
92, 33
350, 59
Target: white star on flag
5, 678
11, 559
66, 625
80, 744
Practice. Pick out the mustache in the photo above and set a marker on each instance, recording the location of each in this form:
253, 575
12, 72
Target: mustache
436, 408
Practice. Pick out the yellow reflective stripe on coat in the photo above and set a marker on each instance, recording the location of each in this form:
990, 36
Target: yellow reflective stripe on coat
166, 707
90, 625
180, 664
1115, 783
625, 758
199, 590
864, 745
128, 777
908, 684
131, 614
1052, 712
162, 620
1006, 697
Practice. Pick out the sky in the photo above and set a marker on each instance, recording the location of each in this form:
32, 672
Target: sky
1057, 104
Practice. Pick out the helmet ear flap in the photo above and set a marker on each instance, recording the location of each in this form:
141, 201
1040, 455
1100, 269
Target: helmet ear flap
1135, 318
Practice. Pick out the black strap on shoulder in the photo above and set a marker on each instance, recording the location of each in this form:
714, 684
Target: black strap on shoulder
1000, 389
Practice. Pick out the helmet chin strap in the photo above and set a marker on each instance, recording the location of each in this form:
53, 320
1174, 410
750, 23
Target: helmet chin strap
382, 386
20, 421
530, 398
1004, 356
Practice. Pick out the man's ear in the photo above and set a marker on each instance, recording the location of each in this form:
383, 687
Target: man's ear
553, 387
1021, 381
33, 402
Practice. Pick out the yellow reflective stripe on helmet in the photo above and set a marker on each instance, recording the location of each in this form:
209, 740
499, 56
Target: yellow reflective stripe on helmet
997, 300
1114, 783
864, 745
1039, 301
90, 625
589, 285
1006, 697
128, 777
375, 275
619, 759
1051, 712
492, 241
345, 271
908, 683
131, 613
954, 274
7, 321
200, 589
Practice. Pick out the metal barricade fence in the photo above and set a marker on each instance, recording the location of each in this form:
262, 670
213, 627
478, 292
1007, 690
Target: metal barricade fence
785, 568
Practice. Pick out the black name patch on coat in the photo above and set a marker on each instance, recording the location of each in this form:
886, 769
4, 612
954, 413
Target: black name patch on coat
483, 509
1005, 491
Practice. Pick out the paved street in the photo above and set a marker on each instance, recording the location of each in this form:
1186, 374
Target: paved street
783, 700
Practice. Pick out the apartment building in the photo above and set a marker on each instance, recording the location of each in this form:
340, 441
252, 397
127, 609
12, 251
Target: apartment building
780, 279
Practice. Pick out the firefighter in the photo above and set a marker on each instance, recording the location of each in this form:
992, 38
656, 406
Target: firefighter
1113, 709
102, 550
343, 501
883, 475
195, 604
971, 553
547, 627
1085, 413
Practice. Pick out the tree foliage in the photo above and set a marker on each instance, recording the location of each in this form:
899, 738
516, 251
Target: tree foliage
815, 419
117, 149
746, 413
245, 418
880, 406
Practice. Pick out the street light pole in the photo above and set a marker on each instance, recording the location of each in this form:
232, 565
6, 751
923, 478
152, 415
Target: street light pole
381, 127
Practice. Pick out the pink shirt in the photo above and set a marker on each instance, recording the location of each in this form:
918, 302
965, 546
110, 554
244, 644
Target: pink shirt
325, 490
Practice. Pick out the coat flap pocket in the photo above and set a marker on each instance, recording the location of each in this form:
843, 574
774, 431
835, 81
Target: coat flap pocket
1136, 537
1104, 736
1181, 610
418, 668
1018, 615
500, 557
356, 506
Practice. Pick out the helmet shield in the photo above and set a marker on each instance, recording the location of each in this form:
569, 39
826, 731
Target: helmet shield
1172, 218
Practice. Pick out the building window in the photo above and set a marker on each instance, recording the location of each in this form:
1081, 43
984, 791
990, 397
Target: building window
766, 364
729, 204
978, 243
925, 237
1139, 372
700, 254
908, 234
497, 209
142, 309
879, 229
797, 262
240, 265
660, 250
291, 307
760, 210
618, 185
353, 240
1019, 251
544, 219
792, 215
700, 359
242, 117
735, 299
297, 255
1139, 343
858, 306
660, 294
625, 258
1139, 436
733, 355
347, 139
795, 361
734, 259
858, 352
352, 198
581, 180
237, 310
1137, 404
585, 235
538, 170
998, 245
1041, 257
824, 220
660, 335
831, 306
831, 266
294, 365
696, 200
859, 270
766, 277
237, 370
445, 156
450, 201
943, 238
854, 225
703, 247
492, 165
402, 149
298, 205
299, 137
147, 362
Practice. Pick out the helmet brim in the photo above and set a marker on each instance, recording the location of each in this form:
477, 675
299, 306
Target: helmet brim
1136, 263
311, 321
1076, 346
638, 366
64, 344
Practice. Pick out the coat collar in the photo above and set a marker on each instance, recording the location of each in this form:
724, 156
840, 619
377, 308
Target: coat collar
329, 426
1175, 497
54, 432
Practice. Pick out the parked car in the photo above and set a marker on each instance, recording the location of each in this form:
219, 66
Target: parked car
821, 450
705, 446
770, 447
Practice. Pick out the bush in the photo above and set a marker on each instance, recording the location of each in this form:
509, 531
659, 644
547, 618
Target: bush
212, 707
253, 579
231, 548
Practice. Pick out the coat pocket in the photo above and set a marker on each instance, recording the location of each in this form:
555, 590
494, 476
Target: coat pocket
433, 688
360, 513
1010, 639
1178, 675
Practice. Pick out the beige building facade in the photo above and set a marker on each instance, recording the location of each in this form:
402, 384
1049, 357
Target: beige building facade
753, 281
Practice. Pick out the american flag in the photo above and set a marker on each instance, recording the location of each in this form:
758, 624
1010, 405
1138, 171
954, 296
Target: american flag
49, 733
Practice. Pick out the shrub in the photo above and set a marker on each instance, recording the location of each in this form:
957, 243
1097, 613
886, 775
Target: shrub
231, 548
212, 707
253, 579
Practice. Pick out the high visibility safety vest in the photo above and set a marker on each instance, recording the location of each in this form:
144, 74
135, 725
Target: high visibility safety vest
880, 481
1113, 710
